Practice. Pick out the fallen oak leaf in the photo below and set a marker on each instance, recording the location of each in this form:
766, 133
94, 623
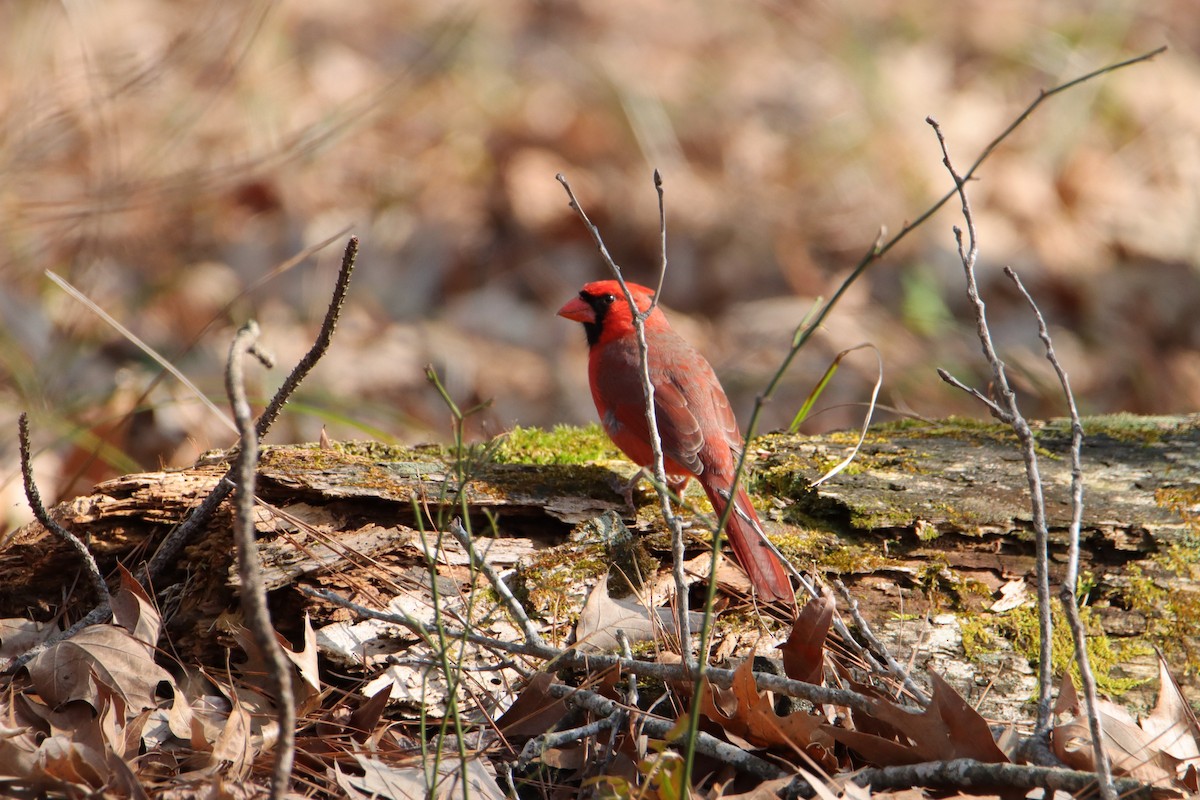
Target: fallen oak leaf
948, 729
748, 714
70, 669
804, 650
1131, 750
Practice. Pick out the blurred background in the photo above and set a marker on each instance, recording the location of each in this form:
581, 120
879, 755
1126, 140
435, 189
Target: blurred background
169, 159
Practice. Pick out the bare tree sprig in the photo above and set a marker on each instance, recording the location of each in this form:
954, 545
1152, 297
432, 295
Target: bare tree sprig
175, 541
1007, 411
672, 520
170, 548
34, 497
251, 588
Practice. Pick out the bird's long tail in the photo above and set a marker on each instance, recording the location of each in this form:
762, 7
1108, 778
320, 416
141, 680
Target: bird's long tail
750, 547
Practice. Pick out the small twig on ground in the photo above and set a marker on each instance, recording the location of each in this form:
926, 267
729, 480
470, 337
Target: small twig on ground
501, 588
1007, 410
43, 516
967, 773
252, 590
547, 741
672, 520
659, 728
877, 647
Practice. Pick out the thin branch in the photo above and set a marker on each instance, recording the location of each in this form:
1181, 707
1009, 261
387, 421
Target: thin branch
672, 520
320, 345
1011, 414
171, 546
175, 541
877, 647
967, 773
1066, 591
1006, 410
881, 247
251, 588
43, 516
501, 588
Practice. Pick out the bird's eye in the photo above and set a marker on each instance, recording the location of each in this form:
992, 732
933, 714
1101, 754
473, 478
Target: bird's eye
608, 299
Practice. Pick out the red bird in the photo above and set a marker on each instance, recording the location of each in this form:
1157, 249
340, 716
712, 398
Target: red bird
700, 437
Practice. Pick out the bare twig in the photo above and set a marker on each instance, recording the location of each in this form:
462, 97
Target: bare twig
967, 773
253, 591
169, 550
678, 545
1007, 410
877, 647
43, 516
319, 346
883, 245
501, 588
175, 541
1066, 592
672, 520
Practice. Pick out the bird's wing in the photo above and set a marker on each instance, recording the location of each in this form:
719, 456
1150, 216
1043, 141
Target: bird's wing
694, 416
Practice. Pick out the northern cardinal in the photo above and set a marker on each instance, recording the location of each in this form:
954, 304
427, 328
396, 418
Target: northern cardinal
700, 437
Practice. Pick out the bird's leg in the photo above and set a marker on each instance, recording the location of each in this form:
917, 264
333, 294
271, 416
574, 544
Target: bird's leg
627, 488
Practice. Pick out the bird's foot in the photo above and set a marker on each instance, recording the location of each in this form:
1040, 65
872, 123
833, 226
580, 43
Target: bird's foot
627, 489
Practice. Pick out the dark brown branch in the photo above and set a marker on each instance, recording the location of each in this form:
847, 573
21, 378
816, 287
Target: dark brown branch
170, 548
43, 516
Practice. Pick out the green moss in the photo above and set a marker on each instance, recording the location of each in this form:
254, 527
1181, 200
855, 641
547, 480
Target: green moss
1160, 589
1129, 427
978, 639
1020, 626
564, 444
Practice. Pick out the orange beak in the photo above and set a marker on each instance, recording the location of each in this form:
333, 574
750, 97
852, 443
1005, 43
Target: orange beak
578, 311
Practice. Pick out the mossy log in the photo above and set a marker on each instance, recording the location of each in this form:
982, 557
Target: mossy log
931, 519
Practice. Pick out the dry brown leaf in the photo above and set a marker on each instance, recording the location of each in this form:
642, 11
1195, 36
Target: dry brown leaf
412, 783
1172, 725
534, 711
135, 611
70, 669
364, 719
17, 635
1131, 750
603, 617
233, 748
745, 713
804, 650
949, 728
305, 691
